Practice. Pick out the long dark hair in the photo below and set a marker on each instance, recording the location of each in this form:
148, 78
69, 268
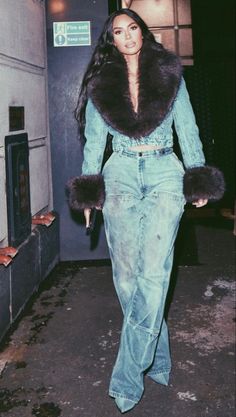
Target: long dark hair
103, 52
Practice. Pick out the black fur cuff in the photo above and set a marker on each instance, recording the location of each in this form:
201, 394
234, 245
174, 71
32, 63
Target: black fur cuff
86, 191
205, 182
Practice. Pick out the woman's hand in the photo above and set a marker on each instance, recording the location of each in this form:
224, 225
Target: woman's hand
87, 213
200, 203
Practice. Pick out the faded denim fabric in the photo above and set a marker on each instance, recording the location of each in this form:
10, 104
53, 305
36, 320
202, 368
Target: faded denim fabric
144, 204
185, 124
143, 207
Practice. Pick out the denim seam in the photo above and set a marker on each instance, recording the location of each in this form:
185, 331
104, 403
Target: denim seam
146, 154
145, 329
163, 371
115, 394
180, 196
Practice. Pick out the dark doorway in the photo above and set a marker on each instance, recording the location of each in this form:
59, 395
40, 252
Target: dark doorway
66, 66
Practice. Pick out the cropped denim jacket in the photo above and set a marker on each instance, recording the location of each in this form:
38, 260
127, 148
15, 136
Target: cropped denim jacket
181, 114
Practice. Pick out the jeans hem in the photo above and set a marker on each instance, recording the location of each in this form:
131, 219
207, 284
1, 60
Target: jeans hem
115, 394
161, 377
162, 371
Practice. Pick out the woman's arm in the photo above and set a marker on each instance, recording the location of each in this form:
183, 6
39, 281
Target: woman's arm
201, 182
88, 191
96, 134
187, 130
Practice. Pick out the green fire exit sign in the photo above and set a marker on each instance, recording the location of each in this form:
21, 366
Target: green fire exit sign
71, 33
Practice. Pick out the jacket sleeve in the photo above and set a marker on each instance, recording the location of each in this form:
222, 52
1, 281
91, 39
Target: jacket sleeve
187, 130
200, 181
96, 131
88, 190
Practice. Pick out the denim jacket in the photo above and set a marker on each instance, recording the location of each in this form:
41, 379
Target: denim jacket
181, 114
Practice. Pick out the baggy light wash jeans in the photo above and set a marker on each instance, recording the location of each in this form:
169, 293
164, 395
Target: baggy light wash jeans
143, 207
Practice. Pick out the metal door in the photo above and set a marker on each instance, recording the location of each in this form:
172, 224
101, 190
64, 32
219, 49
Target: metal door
66, 66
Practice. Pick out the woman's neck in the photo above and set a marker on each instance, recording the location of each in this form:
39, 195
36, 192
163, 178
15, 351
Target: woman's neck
132, 63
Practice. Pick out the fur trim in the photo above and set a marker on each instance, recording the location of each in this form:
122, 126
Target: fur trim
159, 78
204, 182
86, 191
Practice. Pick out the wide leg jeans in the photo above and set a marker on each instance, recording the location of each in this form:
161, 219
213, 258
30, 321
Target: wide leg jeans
143, 207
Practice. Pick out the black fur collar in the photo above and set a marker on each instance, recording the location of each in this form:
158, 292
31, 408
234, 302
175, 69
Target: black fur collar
159, 78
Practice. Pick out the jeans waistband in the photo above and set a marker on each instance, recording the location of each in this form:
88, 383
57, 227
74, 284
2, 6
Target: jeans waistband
146, 154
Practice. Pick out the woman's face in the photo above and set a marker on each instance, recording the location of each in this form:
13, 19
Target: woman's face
127, 35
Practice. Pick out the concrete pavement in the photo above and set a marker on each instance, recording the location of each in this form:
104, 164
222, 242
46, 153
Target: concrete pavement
58, 359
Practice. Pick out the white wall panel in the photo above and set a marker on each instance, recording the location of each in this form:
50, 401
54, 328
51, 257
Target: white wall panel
39, 181
23, 79
22, 25
3, 211
21, 88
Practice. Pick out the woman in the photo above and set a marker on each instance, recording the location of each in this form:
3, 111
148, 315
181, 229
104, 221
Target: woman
133, 89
